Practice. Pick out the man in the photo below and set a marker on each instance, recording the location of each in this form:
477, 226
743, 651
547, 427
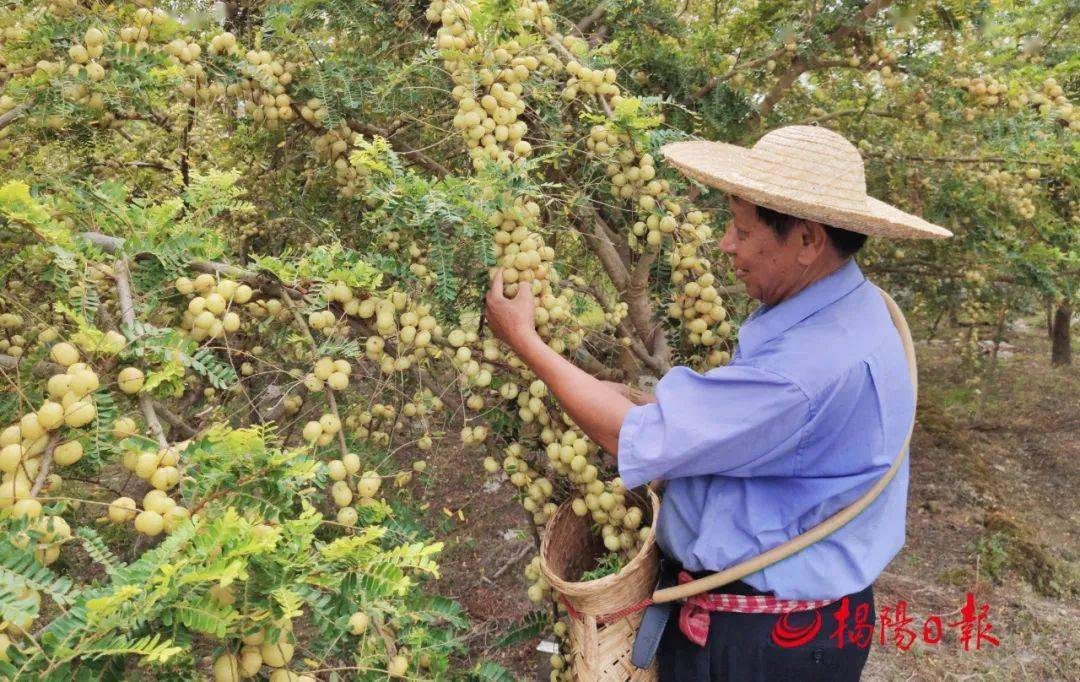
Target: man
813, 408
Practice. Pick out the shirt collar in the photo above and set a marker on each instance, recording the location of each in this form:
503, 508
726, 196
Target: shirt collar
768, 322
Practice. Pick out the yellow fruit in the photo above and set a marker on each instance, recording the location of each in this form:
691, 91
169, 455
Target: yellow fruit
26, 509
79, 413
231, 322
324, 367
278, 654
50, 415
227, 289
204, 283
10, 457
337, 381
58, 385
68, 453
158, 501
30, 427
124, 427
83, 382
347, 516
352, 462
398, 666
312, 431
250, 661
341, 493
337, 470
330, 424
358, 622
226, 668
368, 484
130, 380
149, 523
165, 477
146, 464
122, 509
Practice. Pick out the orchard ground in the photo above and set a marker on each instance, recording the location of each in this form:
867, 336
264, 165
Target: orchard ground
990, 511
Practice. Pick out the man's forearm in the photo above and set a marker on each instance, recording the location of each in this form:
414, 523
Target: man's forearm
598, 409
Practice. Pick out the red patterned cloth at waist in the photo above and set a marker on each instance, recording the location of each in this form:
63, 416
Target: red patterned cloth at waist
694, 614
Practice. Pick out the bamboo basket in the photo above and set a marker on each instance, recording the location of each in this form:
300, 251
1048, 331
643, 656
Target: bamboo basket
600, 651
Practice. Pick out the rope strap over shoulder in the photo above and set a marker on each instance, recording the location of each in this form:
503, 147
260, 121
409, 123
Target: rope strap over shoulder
829, 525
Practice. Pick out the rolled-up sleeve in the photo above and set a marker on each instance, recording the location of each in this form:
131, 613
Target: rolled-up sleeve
736, 421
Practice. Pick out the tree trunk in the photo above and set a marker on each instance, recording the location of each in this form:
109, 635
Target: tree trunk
1061, 351
1049, 319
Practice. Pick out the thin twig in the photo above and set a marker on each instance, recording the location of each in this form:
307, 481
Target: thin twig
46, 463
122, 276
314, 346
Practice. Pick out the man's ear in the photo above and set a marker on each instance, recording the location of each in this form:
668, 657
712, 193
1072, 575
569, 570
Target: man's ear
813, 241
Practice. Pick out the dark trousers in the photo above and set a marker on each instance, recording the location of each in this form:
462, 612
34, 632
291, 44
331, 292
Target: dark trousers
741, 648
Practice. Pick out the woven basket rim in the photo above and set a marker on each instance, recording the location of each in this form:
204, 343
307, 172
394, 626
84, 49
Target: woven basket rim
608, 582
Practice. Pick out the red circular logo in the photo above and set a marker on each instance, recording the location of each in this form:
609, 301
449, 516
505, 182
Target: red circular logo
788, 637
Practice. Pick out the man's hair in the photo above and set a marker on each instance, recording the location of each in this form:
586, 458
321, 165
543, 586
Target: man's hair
846, 242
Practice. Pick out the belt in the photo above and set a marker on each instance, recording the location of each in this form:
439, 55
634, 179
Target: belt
734, 597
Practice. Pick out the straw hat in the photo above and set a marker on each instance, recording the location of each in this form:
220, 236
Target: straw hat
805, 171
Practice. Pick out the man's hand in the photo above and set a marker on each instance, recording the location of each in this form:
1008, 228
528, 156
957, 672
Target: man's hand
510, 319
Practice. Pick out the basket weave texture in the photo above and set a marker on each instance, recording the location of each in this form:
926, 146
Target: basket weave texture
600, 652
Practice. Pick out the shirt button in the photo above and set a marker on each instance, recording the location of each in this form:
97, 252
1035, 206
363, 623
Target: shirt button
818, 654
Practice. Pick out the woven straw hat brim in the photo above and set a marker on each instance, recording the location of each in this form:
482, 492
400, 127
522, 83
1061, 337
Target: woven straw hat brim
803, 195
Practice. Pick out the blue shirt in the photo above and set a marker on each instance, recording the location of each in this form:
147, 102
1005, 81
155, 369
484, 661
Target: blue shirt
813, 408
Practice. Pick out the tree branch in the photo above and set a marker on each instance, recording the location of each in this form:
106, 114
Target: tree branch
9, 117
799, 65
849, 112
585, 24
122, 277
256, 280
46, 463
952, 159
415, 155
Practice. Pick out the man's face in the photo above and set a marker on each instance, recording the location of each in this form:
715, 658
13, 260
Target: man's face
767, 265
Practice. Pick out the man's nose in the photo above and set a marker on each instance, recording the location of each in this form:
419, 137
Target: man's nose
727, 242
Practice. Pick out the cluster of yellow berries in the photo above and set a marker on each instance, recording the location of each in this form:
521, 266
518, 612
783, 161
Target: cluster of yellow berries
139, 34
333, 147
539, 587
12, 343
620, 525
349, 485
633, 178
53, 532
223, 44
208, 314
1018, 189
269, 308
258, 650
329, 372
536, 489
1052, 100
160, 468
489, 120
599, 82
85, 56
22, 444
159, 514
264, 89
409, 323
322, 431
